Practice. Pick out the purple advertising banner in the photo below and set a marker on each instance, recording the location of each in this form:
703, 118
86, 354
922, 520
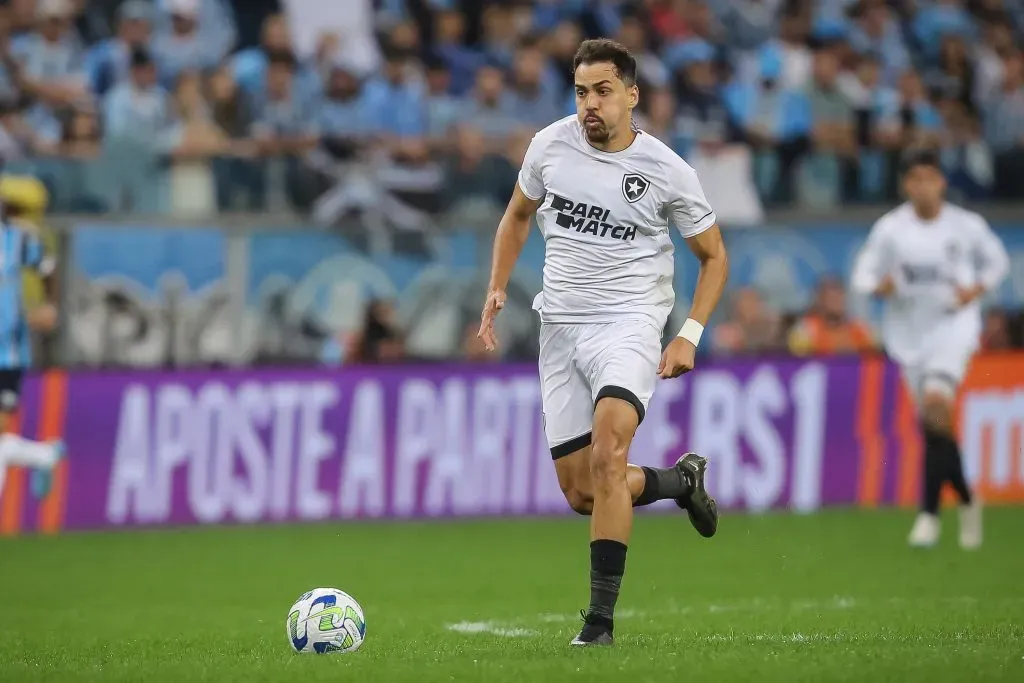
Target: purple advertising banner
151, 448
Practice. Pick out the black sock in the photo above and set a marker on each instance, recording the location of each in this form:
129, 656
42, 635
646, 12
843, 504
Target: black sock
661, 483
935, 466
955, 469
607, 565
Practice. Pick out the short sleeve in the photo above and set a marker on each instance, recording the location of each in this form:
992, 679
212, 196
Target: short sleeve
531, 182
688, 208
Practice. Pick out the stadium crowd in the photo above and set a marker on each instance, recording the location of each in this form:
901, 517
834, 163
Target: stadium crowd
103, 100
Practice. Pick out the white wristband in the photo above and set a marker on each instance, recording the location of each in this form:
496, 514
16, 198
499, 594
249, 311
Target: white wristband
691, 331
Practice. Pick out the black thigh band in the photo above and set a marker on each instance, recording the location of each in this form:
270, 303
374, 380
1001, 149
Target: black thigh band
612, 391
570, 446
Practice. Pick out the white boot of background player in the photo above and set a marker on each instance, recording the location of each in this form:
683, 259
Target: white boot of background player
41, 456
970, 525
926, 531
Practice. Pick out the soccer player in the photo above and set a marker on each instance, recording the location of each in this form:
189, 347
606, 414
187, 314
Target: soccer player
20, 250
932, 262
605, 194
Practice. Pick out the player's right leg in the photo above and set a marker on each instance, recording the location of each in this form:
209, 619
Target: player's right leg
16, 450
927, 527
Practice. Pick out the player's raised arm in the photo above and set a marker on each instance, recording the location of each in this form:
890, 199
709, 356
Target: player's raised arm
696, 221
871, 271
513, 230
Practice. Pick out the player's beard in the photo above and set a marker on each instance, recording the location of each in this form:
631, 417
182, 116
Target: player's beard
597, 132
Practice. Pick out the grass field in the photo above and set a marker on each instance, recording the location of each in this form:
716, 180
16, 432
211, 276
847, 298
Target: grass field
829, 597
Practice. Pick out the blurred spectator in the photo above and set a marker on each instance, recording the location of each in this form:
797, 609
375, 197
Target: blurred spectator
775, 122
1004, 130
748, 23
491, 109
460, 60
213, 18
788, 54
965, 157
284, 127
827, 328
824, 171
394, 102
995, 333
443, 110
657, 113
199, 137
107, 63
473, 173
937, 20
876, 34
234, 169
346, 121
500, 35
139, 133
534, 88
562, 45
50, 58
650, 70
701, 119
751, 327
953, 76
990, 55
185, 45
250, 65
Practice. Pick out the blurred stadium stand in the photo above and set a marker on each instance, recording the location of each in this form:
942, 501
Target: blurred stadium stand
340, 166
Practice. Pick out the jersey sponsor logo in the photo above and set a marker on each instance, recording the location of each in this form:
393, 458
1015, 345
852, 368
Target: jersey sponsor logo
921, 274
589, 219
634, 187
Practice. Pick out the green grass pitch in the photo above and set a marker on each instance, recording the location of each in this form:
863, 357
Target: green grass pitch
830, 597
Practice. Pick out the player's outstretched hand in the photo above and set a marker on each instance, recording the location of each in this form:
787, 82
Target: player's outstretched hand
678, 358
495, 302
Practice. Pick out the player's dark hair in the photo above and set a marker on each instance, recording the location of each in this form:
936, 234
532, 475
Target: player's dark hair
920, 157
601, 50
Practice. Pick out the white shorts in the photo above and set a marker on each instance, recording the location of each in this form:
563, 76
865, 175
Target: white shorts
583, 362
941, 371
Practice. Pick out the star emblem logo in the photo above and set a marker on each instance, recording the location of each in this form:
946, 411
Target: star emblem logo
634, 187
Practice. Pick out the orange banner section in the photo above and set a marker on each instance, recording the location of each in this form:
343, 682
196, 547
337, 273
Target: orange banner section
991, 425
13, 492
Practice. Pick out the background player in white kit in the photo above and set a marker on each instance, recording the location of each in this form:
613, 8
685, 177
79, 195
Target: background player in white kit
932, 262
605, 195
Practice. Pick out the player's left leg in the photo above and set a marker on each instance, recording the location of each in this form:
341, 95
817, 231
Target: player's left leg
620, 362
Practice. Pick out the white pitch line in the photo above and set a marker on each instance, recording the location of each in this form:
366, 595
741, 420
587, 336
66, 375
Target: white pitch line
491, 628
516, 629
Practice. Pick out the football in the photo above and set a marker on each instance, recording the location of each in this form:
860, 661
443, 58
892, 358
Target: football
326, 620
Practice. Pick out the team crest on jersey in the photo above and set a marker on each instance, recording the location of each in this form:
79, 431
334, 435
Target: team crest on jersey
634, 187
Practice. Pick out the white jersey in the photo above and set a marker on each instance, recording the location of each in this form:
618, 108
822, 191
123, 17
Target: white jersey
605, 219
929, 261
